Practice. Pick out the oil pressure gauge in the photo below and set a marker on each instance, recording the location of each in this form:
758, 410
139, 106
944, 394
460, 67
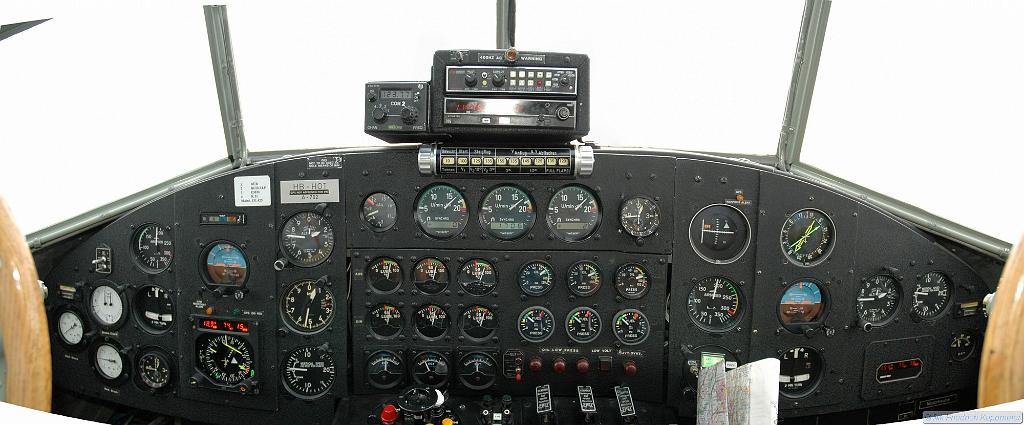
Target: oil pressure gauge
639, 216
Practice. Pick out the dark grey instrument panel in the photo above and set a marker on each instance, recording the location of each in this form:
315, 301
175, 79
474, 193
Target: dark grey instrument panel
738, 263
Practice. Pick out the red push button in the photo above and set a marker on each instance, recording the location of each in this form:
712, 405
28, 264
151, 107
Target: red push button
388, 415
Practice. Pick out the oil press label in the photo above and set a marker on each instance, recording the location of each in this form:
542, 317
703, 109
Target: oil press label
310, 191
252, 191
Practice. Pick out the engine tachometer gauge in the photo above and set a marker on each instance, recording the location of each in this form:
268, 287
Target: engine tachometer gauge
507, 212
430, 276
573, 213
932, 295
807, 237
430, 368
536, 278
477, 277
583, 324
441, 211
632, 281
719, 233
536, 324
714, 304
631, 326
153, 247
877, 299
308, 372
384, 321
308, 306
432, 322
477, 371
226, 359
154, 370
384, 370
154, 308
379, 212
479, 323
639, 216
384, 275
307, 239
800, 370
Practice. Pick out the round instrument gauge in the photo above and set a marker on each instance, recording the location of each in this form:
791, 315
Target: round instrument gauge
573, 213
226, 265
70, 328
584, 278
479, 322
536, 278
384, 321
225, 359
719, 233
308, 372
631, 326
477, 277
108, 361
807, 237
384, 370
307, 239
431, 322
154, 308
154, 370
379, 212
583, 324
536, 324
932, 295
639, 216
477, 371
153, 247
430, 368
877, 299
800, 370
441, 211
430, 276
384, 275
308, 306
107, 304
507, 212
962, 345
802, 303
632, 281
714, 304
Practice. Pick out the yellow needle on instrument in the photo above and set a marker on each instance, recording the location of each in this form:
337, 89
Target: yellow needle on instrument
232, 348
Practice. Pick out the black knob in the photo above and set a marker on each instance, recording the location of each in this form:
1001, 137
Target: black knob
379, 114
410, 114
564, 81
371, 97
498, 78
470, 79
562, 113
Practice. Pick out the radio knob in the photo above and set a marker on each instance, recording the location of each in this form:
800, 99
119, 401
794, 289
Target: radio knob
470, 80
410, 114
379, 114
498, 78
562, 113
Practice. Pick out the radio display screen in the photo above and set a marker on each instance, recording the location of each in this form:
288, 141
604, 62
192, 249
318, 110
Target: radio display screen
503, 106
395, 94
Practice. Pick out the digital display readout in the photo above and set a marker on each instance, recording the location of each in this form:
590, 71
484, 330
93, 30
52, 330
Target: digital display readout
899, 370
224, 325
504, 107
395, 94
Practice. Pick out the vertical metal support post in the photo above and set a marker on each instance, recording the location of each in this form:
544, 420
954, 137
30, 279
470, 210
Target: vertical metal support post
227, 85
801, 88
506, 24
